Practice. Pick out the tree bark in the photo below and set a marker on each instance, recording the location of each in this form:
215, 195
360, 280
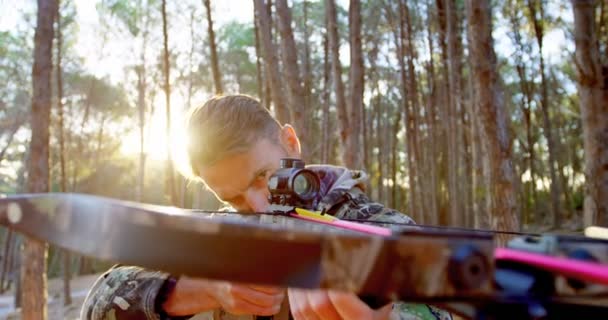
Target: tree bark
353, 158
454, 67
325, 137
271, 63
334, 45
593, 94
66, 258
489, 105
215, 67
307, 121
33, 272
432, 216
297, 99
170, 179
258, 61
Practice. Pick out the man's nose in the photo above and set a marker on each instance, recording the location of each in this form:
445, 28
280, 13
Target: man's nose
257, 201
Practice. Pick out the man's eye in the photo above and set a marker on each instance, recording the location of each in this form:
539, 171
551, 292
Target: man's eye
263, 175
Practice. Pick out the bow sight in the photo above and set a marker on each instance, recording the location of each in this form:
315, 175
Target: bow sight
293, 185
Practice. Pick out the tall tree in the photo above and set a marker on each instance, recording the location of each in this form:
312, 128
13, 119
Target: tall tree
527, 90
66, 257
170, 179
142, 90
271, 63
33, 273
432, 216
325, 136
489, 106
258, 61
353, 155
215, 68
297, 96
537, 17
454, 67
593, 95
336, 66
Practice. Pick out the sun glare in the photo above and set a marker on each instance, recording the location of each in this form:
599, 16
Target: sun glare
155, 136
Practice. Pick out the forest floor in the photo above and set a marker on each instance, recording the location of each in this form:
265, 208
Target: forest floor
56, 310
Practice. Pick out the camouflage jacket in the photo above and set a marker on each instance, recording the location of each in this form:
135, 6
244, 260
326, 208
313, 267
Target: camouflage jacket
129, 292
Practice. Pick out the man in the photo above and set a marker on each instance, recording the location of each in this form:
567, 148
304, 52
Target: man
234, 146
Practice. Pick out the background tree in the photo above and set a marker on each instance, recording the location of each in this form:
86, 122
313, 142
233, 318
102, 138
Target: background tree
593, 95
33, 274
492, 117
215, 69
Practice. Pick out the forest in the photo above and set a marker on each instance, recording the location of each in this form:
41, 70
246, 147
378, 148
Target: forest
479, 114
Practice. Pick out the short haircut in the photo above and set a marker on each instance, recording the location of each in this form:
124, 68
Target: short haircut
226, 125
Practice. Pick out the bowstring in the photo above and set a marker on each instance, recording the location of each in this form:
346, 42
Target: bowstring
401, 224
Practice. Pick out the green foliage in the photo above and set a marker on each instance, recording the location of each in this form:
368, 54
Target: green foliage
236, 47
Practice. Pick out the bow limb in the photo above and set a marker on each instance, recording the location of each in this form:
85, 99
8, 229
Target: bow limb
286, 252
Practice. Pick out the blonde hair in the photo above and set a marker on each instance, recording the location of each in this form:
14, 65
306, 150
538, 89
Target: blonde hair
226, 125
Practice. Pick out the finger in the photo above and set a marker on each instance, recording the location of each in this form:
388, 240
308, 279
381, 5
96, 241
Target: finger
266, 289
384, 312
244, 307
349, 306
298, 305
257, 297
321, 305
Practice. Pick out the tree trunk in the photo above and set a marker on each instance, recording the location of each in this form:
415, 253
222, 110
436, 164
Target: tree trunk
443, 106
432, 216
307, 121
421, 204
396, 126
33, 273
325, 137
258, 61
593, 95
378, 140
63, 182
141, 111
538, 24
170, 179
334, 45
527, 90
215, 67
489, 105
352, 156
454, 67
271, 63
297, 99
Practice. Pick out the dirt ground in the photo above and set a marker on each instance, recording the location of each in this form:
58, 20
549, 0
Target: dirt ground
56, 310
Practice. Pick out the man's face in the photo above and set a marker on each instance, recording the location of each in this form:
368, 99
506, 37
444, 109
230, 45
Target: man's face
242, 179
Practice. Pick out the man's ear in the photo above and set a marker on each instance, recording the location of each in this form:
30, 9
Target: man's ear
290, 141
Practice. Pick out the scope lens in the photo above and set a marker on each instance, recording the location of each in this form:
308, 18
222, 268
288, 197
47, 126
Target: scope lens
273, 183
302, 184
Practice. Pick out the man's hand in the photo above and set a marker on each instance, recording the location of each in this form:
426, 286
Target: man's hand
332, 305
192, 296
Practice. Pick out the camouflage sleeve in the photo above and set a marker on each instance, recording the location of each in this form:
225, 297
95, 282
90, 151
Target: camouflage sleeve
356, 205
124, 292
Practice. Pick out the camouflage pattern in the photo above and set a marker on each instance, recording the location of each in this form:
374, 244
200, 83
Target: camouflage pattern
343, 195
127, 292
124, 292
